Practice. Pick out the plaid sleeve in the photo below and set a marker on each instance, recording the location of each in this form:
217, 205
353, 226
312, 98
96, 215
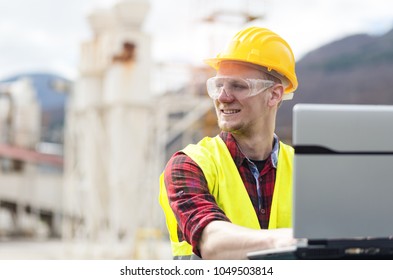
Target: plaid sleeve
190, 199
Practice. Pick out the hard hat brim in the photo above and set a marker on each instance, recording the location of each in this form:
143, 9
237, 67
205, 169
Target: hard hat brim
213, 62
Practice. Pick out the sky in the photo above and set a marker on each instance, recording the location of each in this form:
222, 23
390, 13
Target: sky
45, 35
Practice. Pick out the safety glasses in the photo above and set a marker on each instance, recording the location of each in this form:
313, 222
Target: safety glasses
236, 87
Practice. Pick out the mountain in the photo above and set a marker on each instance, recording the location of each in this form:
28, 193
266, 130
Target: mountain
354, 70
52, 99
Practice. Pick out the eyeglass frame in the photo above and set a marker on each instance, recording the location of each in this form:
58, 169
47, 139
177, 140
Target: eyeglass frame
251, 83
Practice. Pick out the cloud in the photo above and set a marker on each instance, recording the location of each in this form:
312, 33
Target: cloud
46, 34
36, 35
308, 24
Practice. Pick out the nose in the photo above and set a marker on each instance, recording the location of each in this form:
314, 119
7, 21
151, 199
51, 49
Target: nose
224, 97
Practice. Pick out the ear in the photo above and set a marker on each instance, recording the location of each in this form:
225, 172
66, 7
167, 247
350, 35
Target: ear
276, 95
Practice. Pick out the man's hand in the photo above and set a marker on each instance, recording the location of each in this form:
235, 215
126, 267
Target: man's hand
224, 240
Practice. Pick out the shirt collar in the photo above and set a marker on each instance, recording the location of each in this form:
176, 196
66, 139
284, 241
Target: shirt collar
237, 154
274, 154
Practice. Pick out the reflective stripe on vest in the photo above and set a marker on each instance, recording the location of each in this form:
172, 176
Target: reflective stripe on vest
225, 184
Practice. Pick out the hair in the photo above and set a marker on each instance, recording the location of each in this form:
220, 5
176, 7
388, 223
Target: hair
270, 77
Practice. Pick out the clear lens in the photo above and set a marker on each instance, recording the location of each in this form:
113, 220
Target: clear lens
236, 87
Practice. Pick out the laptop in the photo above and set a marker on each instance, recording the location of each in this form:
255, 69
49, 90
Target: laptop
343, 183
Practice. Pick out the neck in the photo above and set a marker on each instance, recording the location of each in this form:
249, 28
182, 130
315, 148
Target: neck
257, 147
256, 142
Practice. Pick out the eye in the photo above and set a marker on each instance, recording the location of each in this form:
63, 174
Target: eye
239, 86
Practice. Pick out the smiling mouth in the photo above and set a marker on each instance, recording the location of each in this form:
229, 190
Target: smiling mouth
230, 112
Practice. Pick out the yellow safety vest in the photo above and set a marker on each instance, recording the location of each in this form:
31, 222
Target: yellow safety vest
225, 184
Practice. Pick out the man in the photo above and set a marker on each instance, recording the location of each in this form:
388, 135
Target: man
232, 194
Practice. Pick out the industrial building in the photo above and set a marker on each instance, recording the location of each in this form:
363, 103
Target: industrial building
101, 202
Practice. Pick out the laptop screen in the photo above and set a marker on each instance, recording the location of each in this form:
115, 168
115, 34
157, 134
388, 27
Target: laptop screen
343, 171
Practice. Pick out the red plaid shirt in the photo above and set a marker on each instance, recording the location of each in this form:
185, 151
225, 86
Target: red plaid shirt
194, 206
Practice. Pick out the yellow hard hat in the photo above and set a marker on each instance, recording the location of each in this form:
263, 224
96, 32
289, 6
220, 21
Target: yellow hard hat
262, 47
